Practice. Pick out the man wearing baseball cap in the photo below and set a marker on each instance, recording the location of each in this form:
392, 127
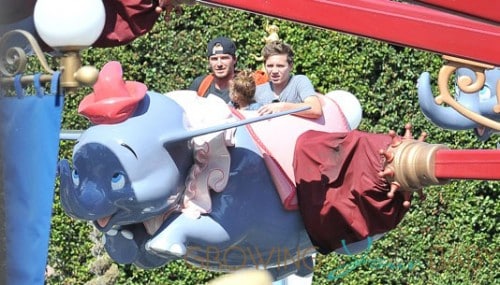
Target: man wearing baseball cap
221, 53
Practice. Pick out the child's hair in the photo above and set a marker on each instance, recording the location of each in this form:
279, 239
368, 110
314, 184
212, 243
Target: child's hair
244, 85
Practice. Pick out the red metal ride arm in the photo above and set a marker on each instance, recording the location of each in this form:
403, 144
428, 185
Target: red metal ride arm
460, 28
411, 165
467, 164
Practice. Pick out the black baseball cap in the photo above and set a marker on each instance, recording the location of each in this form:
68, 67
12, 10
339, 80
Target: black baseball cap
221, 45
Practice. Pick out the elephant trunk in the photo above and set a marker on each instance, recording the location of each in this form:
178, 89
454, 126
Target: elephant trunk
75, 203
444, 117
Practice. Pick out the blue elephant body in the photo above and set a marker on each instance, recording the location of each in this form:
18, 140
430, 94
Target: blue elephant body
130, 176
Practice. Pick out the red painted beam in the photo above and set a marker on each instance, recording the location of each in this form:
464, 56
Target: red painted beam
467, 164
437, 30
486, 9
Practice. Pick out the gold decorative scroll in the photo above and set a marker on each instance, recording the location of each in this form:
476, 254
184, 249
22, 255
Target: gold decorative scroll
13, 60
467, 85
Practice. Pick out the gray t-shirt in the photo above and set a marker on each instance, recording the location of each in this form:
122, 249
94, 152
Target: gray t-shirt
299, 87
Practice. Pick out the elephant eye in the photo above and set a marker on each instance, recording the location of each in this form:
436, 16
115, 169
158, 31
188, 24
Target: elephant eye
117, 181
75, 177
485, 93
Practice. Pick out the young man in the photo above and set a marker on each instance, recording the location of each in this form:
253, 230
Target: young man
221, 54
285, 91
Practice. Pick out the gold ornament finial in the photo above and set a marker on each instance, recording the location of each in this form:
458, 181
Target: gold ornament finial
272, 31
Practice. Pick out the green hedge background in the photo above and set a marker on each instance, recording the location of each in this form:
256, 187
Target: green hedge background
451, 238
